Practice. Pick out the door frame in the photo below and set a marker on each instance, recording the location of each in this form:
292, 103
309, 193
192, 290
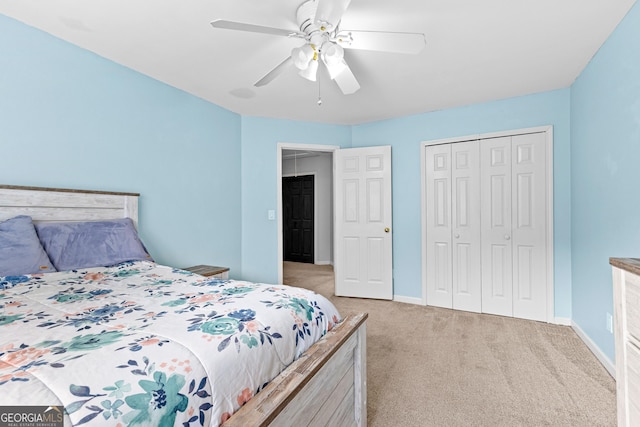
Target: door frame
292, 146
548, 131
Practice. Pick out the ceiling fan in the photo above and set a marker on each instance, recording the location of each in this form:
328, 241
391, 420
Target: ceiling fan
325, 41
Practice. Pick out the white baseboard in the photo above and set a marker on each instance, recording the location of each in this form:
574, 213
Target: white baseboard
564, 321
408, 300
606, 362
323, 263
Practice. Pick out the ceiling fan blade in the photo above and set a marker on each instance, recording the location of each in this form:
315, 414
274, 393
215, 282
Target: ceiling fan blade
331, 11
240, 26
346, 81
268, 78
382, 41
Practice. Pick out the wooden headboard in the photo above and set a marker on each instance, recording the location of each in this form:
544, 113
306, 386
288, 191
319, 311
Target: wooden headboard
56, 204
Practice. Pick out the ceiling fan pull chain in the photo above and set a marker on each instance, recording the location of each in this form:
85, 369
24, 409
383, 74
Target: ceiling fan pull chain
319, 98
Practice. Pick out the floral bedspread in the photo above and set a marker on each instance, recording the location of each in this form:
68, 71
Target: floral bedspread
145, 344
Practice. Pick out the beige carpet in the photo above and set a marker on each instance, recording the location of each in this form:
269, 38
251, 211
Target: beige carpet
437, 367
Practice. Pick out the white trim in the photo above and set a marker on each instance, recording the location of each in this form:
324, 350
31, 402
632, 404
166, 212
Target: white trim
563, 321
287, 146
324, 262
423, 220
548, 130
475, 137
408, 300
606, 362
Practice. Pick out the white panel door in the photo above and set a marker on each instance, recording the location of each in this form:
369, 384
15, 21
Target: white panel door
529, 224
495, 181
465, 221
363, 237
438, 233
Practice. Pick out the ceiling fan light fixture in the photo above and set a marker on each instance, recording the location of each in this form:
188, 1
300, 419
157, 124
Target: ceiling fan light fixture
302, 56
311, 71
332, 53
333, 57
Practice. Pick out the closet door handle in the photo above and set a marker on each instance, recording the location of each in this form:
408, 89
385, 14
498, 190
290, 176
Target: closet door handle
457, 236
507, 237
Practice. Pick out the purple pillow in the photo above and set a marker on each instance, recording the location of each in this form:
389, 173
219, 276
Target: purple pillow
74, 245
20, 250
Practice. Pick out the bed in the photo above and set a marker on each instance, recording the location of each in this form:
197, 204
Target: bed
138, 343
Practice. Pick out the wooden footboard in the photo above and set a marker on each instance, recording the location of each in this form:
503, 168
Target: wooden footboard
327, 385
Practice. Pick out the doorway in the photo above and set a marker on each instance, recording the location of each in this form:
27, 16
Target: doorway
299, 160
298, 218
358, 240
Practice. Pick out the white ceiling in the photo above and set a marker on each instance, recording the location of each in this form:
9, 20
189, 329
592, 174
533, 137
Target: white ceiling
476, 50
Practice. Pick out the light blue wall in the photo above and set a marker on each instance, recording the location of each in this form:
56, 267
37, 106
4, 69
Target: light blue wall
71, 119
605, 175
405, 135
260, 138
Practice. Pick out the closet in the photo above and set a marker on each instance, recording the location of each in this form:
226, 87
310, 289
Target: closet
486, 208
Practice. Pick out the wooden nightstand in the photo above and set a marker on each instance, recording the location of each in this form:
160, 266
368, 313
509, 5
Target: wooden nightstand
210, 271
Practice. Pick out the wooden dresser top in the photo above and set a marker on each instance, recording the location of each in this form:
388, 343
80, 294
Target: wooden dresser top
632, 265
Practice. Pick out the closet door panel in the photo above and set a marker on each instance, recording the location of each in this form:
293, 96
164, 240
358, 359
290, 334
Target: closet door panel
529, 226
465, 198
438, 233
496, 247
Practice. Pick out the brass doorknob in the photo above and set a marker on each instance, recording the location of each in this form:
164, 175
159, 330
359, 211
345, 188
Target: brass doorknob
386, 230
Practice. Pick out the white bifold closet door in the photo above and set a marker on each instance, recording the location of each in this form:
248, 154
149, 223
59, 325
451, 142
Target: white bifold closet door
453, 221
486, 226
514, 222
